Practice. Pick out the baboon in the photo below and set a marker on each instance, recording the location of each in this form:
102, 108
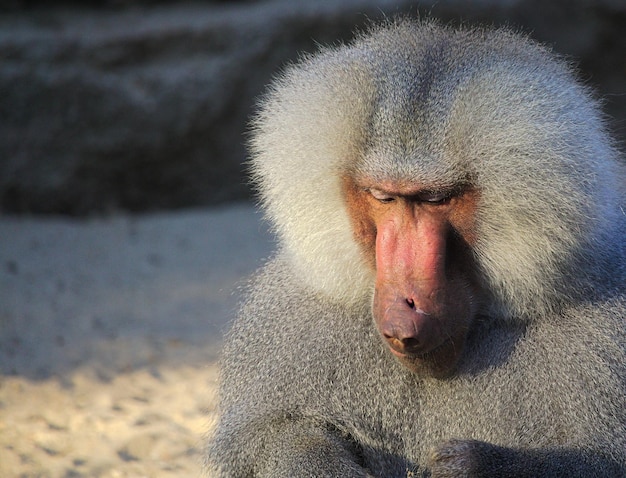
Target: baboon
448, 298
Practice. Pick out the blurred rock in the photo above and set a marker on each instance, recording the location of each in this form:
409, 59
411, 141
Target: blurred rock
140, 447
141, 105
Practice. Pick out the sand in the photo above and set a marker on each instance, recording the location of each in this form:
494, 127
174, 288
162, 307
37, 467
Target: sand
110, 331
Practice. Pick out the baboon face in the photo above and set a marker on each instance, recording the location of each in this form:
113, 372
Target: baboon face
419, 241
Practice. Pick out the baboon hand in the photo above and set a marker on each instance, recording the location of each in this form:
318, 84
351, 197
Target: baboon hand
462, 459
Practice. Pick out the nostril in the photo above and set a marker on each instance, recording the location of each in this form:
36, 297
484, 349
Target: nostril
410, 344
410, 303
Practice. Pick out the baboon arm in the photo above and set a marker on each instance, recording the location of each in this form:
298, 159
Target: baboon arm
303, 449
285, 447
484, 459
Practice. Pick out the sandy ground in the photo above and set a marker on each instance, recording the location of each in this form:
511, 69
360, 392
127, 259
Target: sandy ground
109, 333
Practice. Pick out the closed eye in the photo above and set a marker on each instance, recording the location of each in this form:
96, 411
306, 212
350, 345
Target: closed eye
439, 199
435, 197
380, 195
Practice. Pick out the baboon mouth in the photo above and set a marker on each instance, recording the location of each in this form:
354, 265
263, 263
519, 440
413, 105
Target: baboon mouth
422, 356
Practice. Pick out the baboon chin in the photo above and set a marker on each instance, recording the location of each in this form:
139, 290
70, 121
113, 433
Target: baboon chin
448, 298
438, 363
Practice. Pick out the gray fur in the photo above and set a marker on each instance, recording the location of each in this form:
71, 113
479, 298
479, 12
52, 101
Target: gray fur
308, 387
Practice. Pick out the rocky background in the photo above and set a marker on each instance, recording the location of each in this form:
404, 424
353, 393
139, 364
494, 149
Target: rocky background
139, 105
